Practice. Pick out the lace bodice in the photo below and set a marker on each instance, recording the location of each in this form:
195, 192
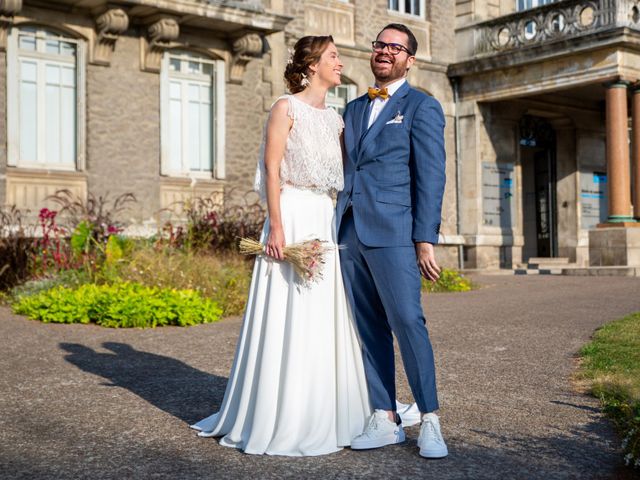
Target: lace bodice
312, 156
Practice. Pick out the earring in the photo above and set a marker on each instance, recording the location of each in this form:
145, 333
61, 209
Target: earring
305, 80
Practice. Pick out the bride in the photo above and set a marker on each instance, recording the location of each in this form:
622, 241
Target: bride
297, 385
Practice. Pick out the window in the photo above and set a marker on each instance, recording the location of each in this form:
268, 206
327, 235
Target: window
408, 7
527, 4
44, 87
192, 115
339, 96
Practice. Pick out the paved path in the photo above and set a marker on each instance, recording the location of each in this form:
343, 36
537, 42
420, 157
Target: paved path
87, 402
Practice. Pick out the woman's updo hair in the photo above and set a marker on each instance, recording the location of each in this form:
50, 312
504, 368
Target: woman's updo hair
307, 51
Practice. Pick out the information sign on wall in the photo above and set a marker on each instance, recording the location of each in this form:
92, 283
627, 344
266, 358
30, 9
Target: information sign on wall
498, 201
593, 198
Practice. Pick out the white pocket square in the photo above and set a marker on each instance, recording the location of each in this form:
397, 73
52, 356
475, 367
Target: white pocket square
397, 119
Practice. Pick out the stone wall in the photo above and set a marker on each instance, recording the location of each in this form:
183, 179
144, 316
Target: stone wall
566, 190
123, 128
469, 11
246, 117
443, 36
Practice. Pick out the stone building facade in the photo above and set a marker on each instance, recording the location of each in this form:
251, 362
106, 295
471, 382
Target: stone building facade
160, 99
167, 99
542, 91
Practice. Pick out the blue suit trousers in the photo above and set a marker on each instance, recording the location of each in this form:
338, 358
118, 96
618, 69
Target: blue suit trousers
383, 287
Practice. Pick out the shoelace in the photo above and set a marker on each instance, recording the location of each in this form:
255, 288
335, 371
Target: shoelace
373, 424
434, 430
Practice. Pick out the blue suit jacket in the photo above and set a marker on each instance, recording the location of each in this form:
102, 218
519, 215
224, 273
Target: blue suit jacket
394, 172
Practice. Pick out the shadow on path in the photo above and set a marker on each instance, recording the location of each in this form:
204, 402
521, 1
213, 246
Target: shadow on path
169, 384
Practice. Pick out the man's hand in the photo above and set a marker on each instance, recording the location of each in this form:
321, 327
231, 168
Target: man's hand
426, 258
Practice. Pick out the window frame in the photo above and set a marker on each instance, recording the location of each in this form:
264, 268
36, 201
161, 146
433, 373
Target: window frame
218, 123
352, 93
534, 4
13, 98
402, 7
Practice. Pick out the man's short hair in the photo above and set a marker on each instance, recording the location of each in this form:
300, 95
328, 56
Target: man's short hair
413, 43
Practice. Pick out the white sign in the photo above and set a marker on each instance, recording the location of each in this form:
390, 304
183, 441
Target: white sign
593, 198
498, 201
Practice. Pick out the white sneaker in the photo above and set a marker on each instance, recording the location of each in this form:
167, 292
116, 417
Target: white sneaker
380, 431
430, 440
409, 414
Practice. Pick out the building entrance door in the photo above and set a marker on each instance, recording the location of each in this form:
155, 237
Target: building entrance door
539, 188
545, 203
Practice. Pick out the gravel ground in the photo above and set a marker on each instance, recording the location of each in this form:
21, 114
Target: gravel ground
80, 401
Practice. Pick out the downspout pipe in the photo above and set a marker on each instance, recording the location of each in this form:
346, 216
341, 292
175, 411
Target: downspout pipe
455, 84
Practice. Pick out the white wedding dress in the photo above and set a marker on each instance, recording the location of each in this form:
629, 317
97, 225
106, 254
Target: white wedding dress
297, 385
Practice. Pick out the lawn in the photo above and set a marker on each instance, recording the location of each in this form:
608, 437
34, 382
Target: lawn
611, 365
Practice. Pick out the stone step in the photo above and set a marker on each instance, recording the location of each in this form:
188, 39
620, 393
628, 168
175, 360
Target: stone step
533, 262
614, 271
538, 271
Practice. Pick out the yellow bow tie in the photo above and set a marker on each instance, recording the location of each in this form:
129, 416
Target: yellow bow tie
378, 92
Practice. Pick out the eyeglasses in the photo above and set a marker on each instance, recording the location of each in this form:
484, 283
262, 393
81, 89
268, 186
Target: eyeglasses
394, 48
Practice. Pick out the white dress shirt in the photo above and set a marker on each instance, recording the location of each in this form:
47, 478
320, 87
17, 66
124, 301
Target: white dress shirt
378, 103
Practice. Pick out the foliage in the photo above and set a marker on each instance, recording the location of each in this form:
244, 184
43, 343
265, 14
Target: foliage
89, 241
72, 278
51, 248
120, 305
15, 247
611, 363
79, 246
215, 226
449, 281
223, 278
93, 219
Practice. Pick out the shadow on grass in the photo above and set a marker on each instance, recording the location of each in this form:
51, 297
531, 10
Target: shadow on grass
168, 384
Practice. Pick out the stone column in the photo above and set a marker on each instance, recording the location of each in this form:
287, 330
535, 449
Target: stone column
618, 178
635, 139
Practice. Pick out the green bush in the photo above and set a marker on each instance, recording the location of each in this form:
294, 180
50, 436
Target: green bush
449, 281
222, 278
120, 305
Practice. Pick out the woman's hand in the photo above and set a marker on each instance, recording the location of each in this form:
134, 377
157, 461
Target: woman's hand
275, 243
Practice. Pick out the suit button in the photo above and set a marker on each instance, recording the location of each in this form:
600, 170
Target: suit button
358, 169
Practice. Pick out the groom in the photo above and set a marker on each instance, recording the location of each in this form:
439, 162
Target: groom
388, 219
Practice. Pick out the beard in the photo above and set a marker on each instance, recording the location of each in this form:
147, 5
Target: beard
385, 73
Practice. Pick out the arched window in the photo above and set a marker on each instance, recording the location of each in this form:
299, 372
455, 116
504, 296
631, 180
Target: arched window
339, 96
192, 115
45, 99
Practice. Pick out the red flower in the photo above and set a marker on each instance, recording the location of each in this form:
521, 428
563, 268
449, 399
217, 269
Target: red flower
113, 230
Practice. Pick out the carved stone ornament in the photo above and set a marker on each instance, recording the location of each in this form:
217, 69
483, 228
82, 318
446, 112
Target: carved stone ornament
550, 22
245, 49
162, 35
8, 8
109, 26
